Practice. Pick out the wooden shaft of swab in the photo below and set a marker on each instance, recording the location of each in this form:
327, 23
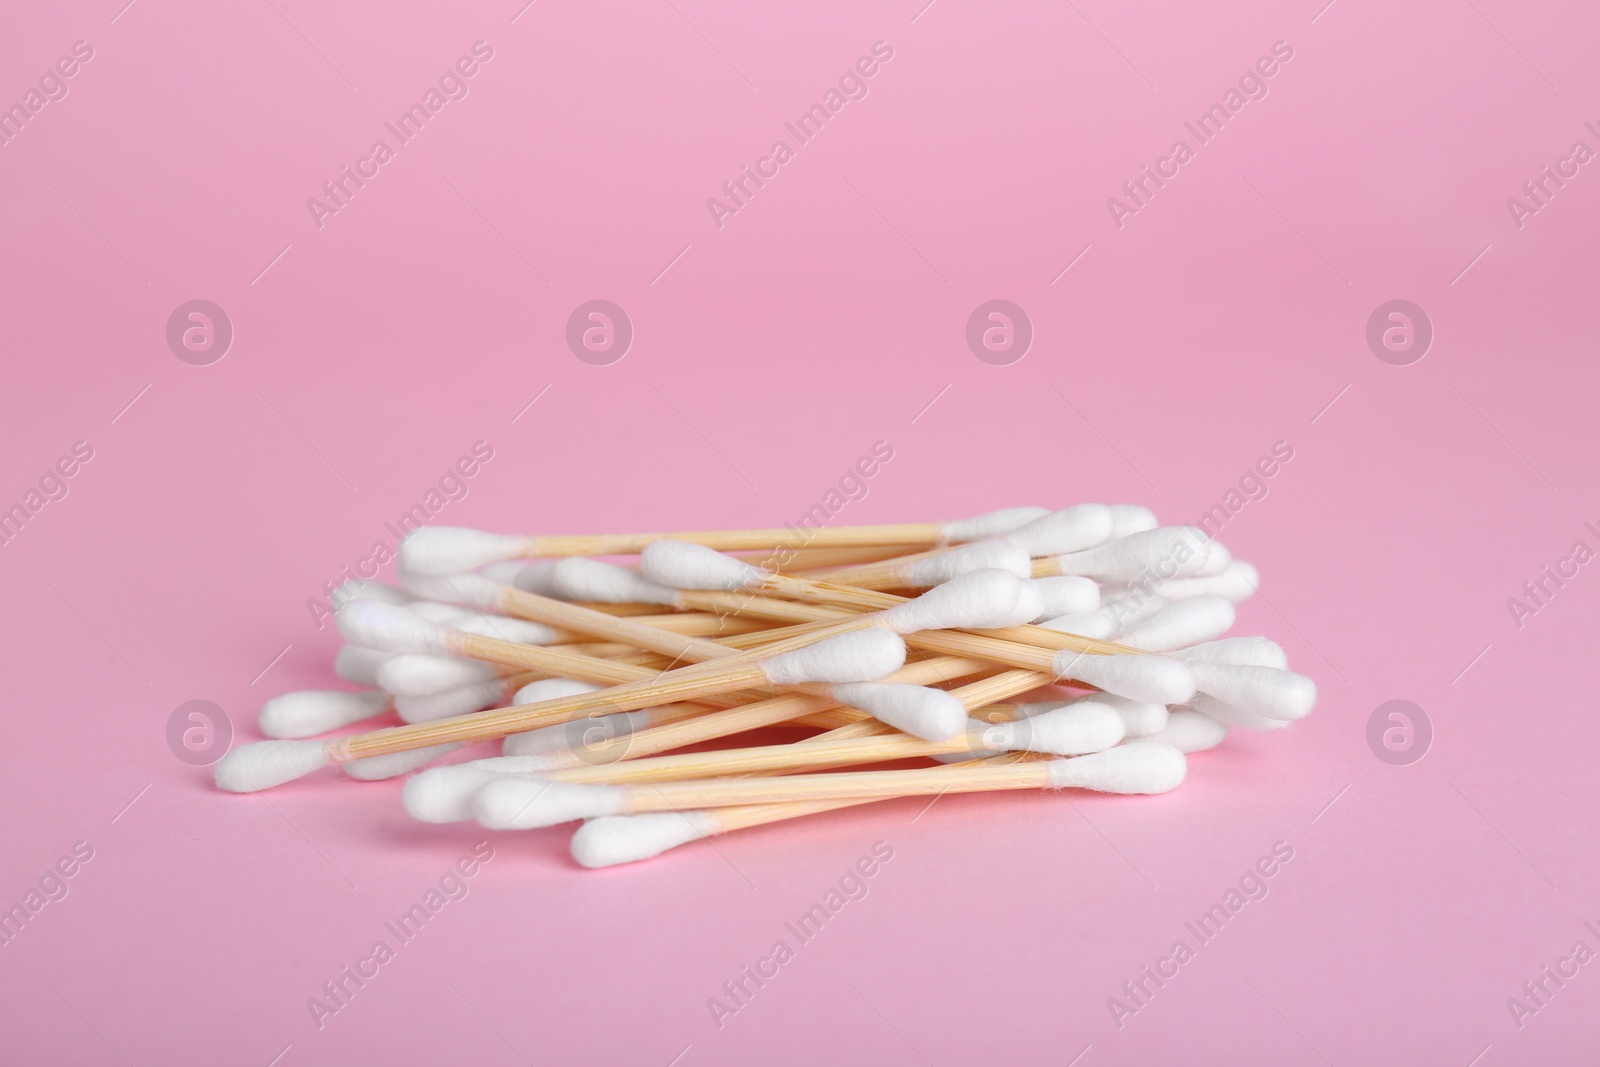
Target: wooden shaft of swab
717, 793
748, 717
868, 741
744, 816
717, 724
673, 686
885, 573
920, 533
819, 602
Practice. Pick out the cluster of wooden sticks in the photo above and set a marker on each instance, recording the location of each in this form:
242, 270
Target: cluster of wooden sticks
884, 643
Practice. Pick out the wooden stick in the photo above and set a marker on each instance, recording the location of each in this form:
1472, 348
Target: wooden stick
864, 742
726, 792
718, 724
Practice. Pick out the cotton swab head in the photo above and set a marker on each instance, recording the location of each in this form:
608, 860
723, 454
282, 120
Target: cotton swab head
1148, 678
1137, 767
614, 839
264, 764
390, 628
931, 714
952, 562
1072, 730
463, 588
1110, 619
1189, 731
578, 578
517, 631
1165, 552
317, 711
438, 610
454, 549
1068, 530
1264, 691
990, 524
979, 600
448, 703
1131, 519
1068, 594
394, 764
359, 665
862, 656
444, 794
536, 577
1241, 651
682, 565
421, 674
1180, 624
1238, 582
529, 803
1223, 712
1139, 718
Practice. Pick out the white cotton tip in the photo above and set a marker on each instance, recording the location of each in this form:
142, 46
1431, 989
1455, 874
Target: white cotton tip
537, 577
1265, 691
359, 665
1240, 651
516, 631
1068, 530
1165, 552
438, 611
953, 562
454, 549
1110, 619
1067, 595
1147, 678
444, 794
448, 703
1223, 712
931, 714
576, 735
613, 839
979, 600
1077, 728
990, 524
589, 579
1216, 562
684, 566
1181, 624
1137, 767
316, 711
463, 588
394, 764
529, 803
264, 764
421, 674
863, 656
1189, 731
367, 590
1140, 718
1238, 582
1131, 519
390, 628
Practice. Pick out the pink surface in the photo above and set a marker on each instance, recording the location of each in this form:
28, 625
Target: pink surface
828, 313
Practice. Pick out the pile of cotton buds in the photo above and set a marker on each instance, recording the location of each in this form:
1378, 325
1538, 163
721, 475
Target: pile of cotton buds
879, 644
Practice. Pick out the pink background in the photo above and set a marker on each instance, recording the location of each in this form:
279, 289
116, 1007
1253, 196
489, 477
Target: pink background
826, 315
